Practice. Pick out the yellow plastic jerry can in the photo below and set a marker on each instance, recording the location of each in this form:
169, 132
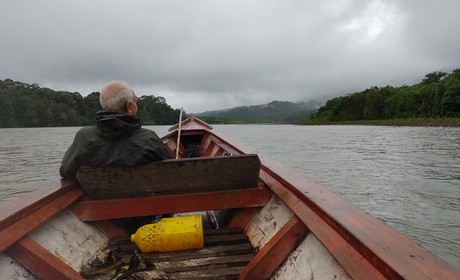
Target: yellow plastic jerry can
170, 234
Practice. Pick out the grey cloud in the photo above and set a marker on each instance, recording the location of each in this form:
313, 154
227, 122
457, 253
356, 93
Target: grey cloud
206, 55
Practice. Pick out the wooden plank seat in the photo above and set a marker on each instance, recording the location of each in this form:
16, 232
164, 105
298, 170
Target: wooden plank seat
226, 253
171, 176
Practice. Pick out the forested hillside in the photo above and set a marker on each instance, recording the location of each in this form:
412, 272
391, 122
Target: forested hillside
24, 105
436, 96
273, 112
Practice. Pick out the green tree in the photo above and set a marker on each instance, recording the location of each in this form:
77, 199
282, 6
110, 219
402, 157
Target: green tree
375, 101
7, 109
153, 110
29, 105
89, 107
426, 99
433, 77
451, 102
328, 111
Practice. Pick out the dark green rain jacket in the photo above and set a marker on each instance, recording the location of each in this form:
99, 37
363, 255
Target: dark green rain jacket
116, 140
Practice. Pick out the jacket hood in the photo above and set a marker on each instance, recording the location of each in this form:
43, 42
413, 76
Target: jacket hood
116, 125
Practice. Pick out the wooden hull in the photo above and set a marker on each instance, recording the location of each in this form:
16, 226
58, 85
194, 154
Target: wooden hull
299, 229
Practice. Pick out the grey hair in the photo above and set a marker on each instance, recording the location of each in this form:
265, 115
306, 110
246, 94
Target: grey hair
114, 96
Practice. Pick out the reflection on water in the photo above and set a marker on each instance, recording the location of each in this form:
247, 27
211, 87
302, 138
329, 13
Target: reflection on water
407, 176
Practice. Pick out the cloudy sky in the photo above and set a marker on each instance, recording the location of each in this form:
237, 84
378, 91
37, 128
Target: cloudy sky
206, 55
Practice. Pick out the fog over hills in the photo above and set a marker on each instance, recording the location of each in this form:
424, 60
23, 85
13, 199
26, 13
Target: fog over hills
275, 111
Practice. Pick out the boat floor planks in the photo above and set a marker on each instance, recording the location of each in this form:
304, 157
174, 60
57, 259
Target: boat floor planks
224, 256
11, 269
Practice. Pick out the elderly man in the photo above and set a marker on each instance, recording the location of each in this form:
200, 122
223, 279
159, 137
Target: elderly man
117, 139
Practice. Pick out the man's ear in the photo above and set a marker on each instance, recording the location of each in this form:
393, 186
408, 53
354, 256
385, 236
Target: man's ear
129, 107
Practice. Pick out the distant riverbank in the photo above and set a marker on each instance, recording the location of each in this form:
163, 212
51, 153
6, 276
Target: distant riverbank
444, 122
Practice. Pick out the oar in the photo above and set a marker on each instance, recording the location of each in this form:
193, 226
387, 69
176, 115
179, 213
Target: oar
178, 134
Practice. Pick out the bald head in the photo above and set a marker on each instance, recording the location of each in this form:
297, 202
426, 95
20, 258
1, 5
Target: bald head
117, 97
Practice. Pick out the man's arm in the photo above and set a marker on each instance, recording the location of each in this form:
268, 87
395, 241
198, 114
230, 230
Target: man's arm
157, 149
71, 161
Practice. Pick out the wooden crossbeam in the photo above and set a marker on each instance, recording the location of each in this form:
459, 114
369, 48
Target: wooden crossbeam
93, 210
242, 217
266, 261
40, 261
110, 229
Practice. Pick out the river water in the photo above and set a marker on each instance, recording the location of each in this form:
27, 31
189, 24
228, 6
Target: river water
408, 177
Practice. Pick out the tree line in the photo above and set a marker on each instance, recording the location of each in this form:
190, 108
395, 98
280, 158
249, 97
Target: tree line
24, 105
436, 96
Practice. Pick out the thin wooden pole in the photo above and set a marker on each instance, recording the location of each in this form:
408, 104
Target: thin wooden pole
178, 133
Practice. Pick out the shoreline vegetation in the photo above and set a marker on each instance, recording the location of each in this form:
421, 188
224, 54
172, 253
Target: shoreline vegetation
24, 105
429, 122
435, 101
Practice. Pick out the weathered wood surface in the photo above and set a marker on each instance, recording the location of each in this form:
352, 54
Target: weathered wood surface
270, 256
18, 221
171, 176
41, 262
224, 256
73, 241
57, 248
276, 231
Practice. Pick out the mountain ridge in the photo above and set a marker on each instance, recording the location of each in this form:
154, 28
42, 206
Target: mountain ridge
274, 112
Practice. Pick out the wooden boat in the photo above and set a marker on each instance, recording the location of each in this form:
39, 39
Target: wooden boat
270, 222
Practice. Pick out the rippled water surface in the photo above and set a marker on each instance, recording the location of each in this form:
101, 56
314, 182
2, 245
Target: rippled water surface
407, 176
